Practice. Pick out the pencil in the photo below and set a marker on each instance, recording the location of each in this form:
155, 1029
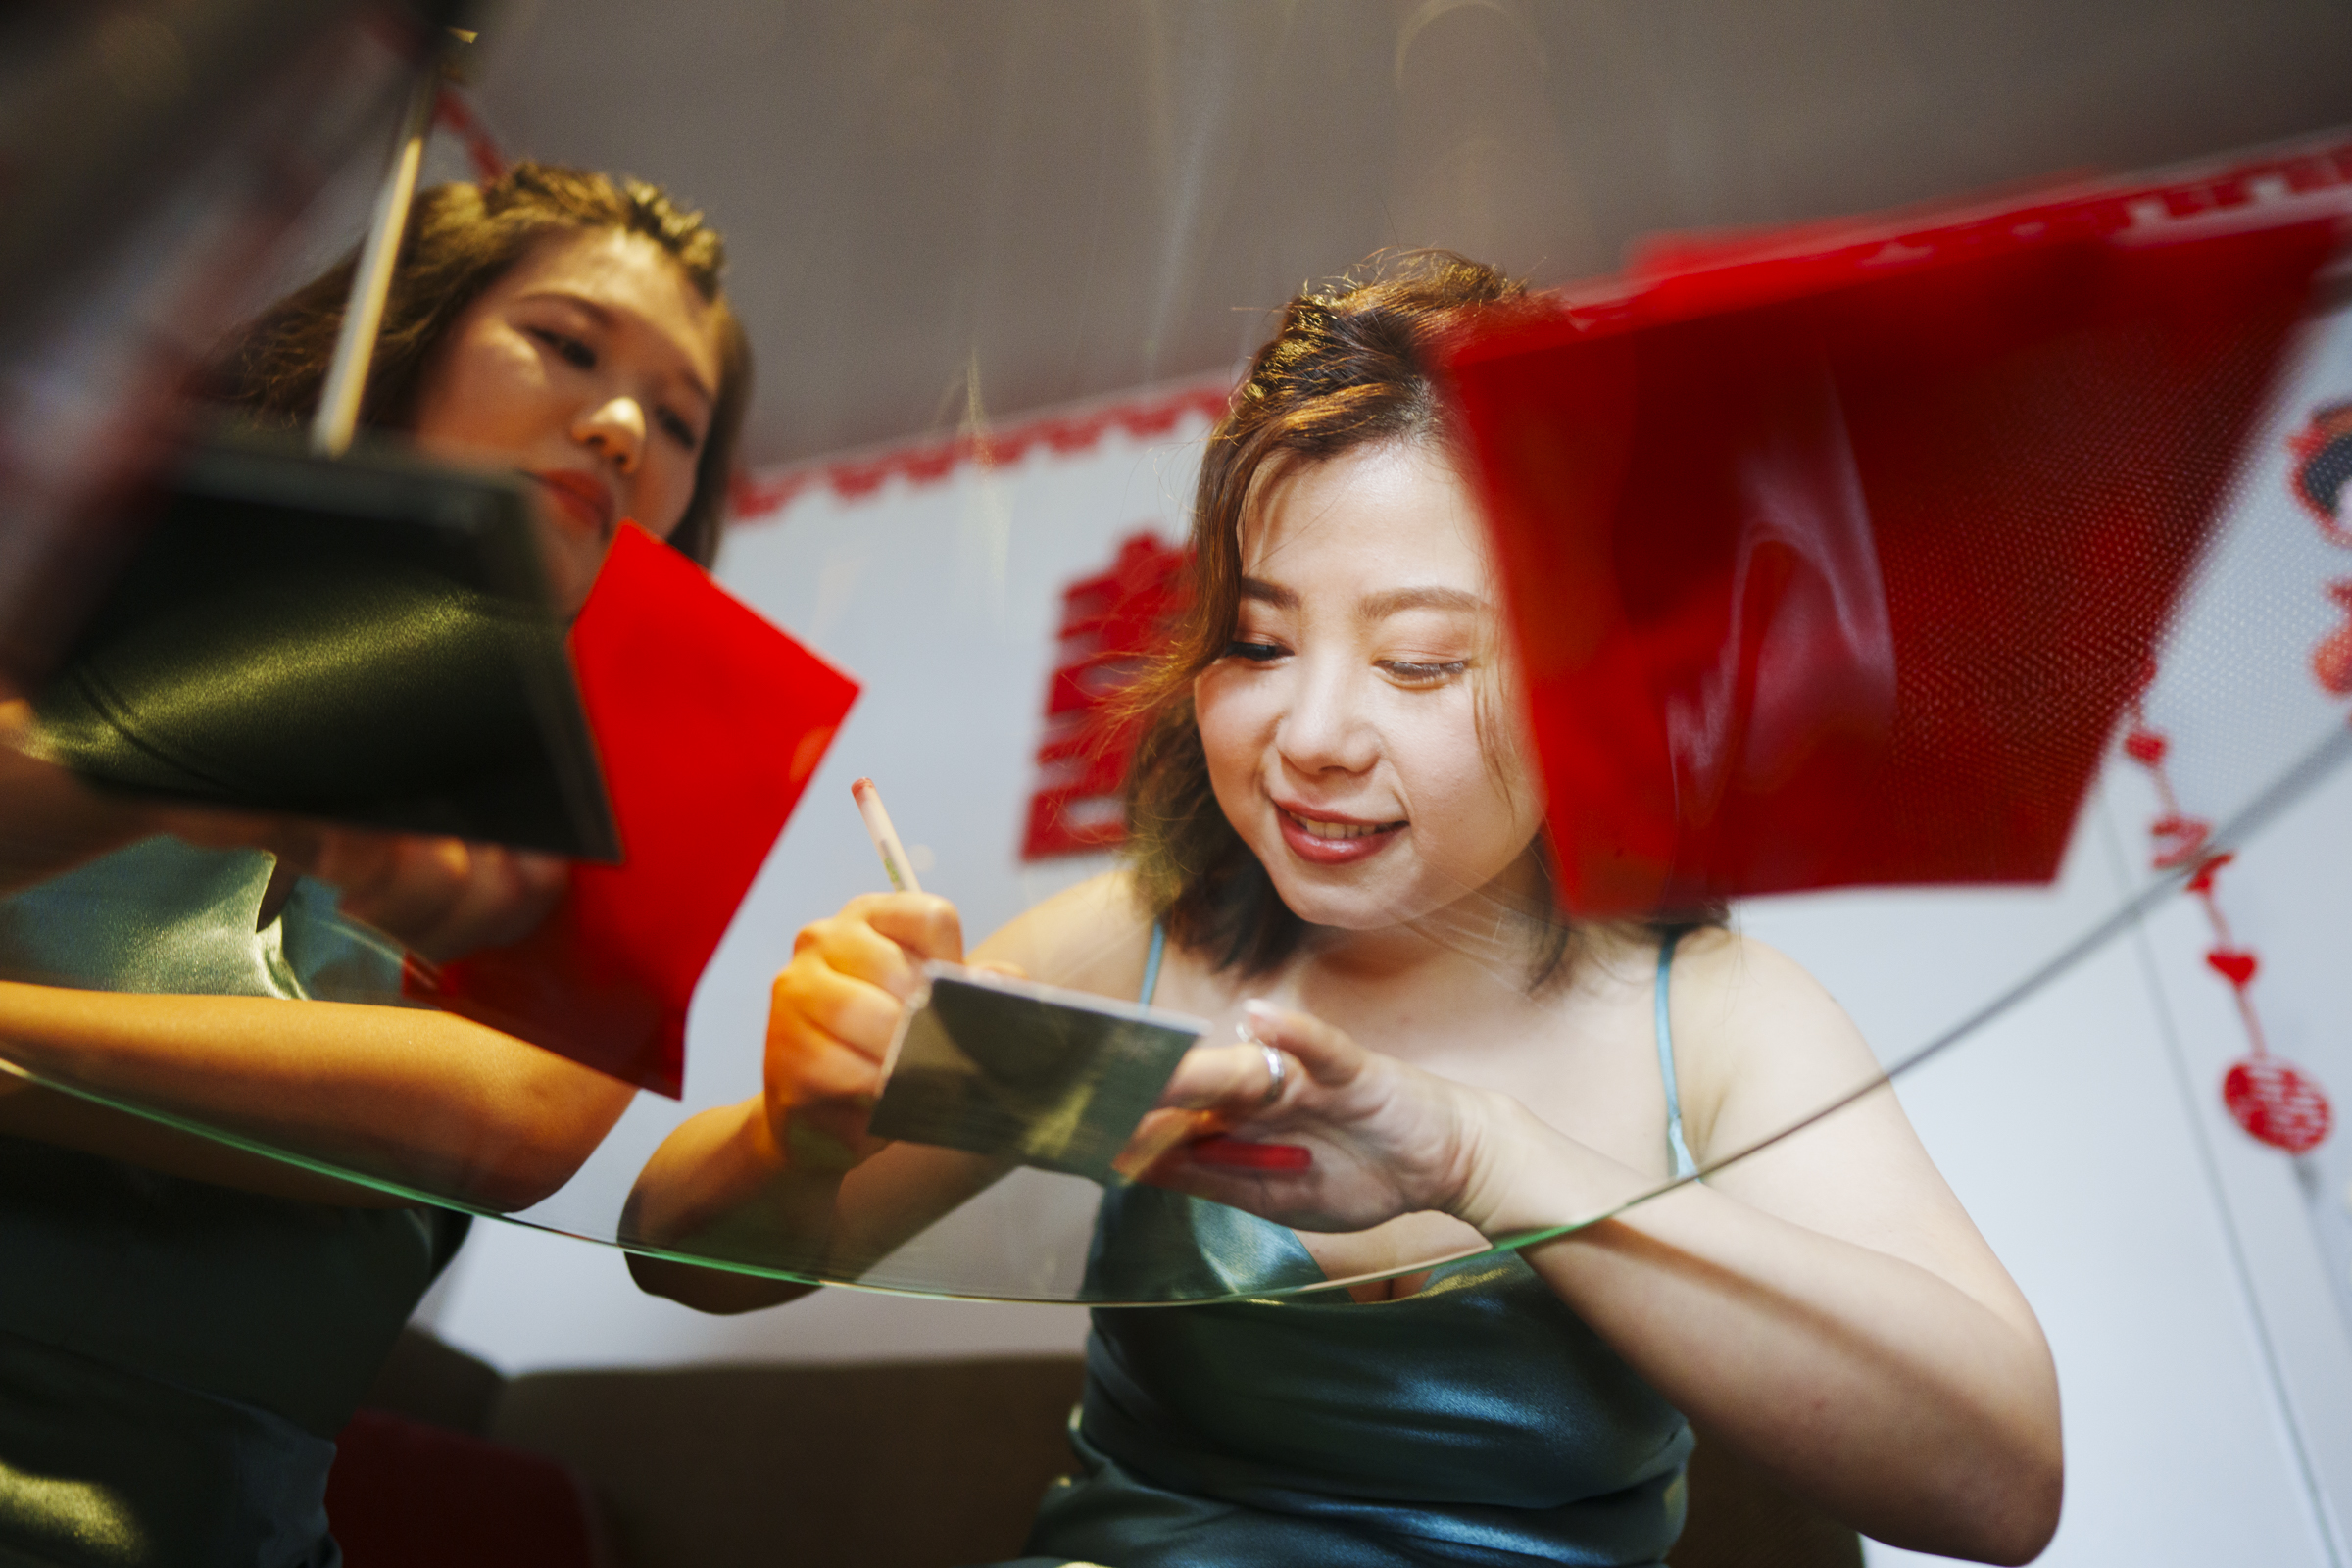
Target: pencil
886, 838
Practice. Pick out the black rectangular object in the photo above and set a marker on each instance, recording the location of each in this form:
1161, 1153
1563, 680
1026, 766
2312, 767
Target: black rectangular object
1034, 1074
367, 640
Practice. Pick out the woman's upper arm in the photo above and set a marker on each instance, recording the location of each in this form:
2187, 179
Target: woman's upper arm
1766, 1048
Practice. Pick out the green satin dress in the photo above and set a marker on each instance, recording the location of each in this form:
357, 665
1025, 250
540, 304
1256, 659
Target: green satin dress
176, 1357
1475, 1421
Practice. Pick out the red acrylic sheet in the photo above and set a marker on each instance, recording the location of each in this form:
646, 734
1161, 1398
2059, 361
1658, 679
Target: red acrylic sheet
1836, 567
709, 722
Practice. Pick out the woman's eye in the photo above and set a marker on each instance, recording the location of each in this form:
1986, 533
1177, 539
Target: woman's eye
674, 425
1411, 672
1256, 652
570, 349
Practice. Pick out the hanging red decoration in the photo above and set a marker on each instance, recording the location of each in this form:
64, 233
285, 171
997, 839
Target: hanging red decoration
2277, 1104
2235, 967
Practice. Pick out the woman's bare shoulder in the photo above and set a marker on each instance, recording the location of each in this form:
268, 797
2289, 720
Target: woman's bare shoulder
1762, 1041
1092, 937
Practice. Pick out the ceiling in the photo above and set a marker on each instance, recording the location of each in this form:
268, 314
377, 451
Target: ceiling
942, 210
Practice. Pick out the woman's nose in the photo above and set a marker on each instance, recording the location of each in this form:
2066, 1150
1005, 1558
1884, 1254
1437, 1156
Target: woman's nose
616, 429
1325, 729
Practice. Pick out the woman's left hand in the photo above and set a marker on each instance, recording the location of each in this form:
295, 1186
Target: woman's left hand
1383, 1138
441, 898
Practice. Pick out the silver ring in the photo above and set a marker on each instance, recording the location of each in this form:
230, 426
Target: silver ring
1277, 1069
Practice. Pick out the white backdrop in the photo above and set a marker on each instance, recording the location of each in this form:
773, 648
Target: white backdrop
2189, 1278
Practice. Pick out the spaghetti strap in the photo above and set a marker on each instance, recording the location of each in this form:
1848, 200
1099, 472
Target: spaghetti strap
1159, 945
1679, 1150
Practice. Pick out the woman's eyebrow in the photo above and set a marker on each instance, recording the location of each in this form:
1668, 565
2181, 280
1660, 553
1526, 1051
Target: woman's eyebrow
1269, 592
1381, 605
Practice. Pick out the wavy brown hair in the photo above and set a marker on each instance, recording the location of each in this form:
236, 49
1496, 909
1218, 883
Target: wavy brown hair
1355, 365
461, 239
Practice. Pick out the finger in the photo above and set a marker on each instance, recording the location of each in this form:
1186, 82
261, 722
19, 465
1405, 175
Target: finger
1010, 971
812, 1004
418, 883
851, 946
1161, 1134
1231, 1079
494, 905
1327, 1054
540, 872
924, 924
824, 1072
528, 887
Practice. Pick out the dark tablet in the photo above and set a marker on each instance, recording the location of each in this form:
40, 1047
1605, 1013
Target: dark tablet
366, 640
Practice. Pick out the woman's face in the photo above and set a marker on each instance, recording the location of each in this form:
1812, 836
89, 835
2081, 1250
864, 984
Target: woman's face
1342, 727
591, 367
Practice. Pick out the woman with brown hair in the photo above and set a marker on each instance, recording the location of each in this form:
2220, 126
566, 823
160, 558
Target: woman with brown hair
185, 1326
1337, 850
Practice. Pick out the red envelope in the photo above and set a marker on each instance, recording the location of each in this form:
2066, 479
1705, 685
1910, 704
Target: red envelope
1837, 567
709, 722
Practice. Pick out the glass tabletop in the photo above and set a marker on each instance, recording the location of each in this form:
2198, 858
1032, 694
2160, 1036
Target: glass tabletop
2237, 726
2246, 737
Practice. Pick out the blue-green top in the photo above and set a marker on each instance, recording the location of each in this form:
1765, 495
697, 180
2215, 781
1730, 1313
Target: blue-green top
1477, 1420
176, 1356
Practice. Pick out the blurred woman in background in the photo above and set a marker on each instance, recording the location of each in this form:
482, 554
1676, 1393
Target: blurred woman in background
186, 1325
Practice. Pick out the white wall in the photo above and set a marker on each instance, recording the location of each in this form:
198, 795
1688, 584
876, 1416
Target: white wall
2185, 1275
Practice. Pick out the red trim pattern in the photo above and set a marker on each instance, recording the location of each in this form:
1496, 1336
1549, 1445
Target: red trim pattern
760, 498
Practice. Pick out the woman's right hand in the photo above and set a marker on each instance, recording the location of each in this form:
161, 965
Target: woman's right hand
831, 1015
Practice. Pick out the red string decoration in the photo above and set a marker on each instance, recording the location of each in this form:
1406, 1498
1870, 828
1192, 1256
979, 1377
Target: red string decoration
1110, 624
2276, 1103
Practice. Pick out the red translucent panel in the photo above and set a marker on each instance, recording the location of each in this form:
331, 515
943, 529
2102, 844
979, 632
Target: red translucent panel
709, 721
1837, 567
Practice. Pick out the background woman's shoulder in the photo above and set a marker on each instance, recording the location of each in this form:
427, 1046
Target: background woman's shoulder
1094, 937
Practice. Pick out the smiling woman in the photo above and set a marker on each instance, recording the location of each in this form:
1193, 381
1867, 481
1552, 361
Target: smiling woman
1337, 849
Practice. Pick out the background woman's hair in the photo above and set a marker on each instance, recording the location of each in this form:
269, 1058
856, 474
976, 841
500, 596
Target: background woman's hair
462, 238
1348, 367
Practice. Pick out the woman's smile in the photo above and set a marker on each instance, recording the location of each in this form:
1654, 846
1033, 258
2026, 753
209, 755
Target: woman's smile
1325, 840
1335, 840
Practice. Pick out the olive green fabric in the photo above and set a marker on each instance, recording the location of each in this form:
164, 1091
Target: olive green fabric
176, 1356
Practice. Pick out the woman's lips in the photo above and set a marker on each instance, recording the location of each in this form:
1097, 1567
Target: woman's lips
1334, 841
581, 498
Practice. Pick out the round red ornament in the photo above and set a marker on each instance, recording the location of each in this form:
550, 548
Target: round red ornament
2277, 1104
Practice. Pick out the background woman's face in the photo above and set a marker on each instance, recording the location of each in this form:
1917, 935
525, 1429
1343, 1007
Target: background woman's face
591, 367
1342, 727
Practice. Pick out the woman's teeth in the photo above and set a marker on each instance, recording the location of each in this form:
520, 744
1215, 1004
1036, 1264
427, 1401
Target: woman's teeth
1339, 830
